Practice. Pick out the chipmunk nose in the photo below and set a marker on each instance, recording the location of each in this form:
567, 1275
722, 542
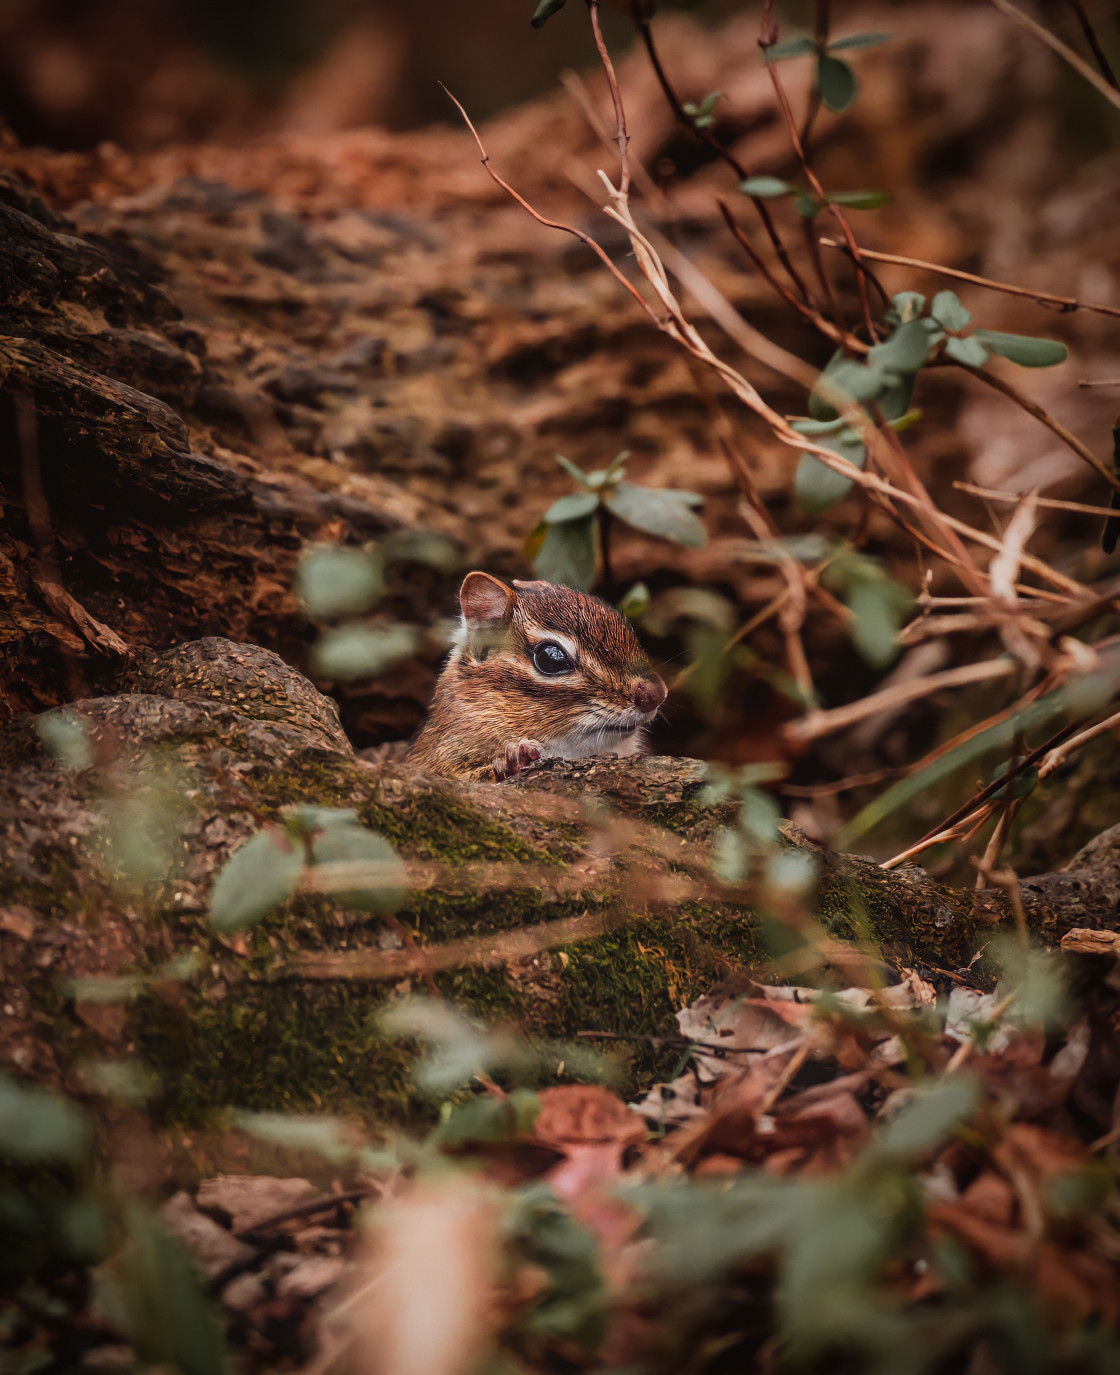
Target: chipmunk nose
649, 693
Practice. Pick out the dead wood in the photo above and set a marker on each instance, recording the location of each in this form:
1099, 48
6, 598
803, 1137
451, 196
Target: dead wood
561, 888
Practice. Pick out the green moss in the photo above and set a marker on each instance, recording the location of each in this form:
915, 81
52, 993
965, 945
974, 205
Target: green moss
434, 824
309, 1047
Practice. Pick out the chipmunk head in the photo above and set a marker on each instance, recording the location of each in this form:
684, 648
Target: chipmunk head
563, 667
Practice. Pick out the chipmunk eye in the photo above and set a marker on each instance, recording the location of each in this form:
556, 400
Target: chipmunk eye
550, 658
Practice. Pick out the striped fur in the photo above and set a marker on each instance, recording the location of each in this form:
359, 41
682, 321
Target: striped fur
491, 695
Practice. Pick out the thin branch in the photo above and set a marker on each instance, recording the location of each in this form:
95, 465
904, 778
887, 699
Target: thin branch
1026, 403
1060, 753
862, 274
596, 248
1044, 35
1094, 43
820, 723
988, 792
622, 136
1052, 503
1066, 304
815, 318
642, 19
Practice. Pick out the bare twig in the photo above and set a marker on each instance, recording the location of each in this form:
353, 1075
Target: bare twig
622, 135
1051, 503
1028, 404
1094, 43
820, 723
863, 275
810, 313
596, 248
642, 19
1067, 54
1060, 753
1066, 304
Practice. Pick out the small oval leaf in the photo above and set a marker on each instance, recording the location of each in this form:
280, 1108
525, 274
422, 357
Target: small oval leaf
858, 40
356, 651
544, 12
255, 880
334, 581
795, 47
905, 351
383, 889
861, 200
658, 511
1023, 349
567, 555
968, 351
837, 84
38, 1127
816, 486
949, 313
763, 188
573, 507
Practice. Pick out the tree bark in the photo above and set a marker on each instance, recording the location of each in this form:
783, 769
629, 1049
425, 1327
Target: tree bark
577, 896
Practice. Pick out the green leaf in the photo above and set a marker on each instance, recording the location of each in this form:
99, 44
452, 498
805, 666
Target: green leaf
571, 469
968, 351
305, 821
658, 511
65, 737
908, 305
488, 1119
384, 889
334, 581
573, 507
420, 546
634, 603
1081, 697
949, 313
858, 40
710, 102
356, 651
808, 204
1039, 982
837, 84
877, 609
1023, 349
905, 351
567, 555
39, 1128
156, 1296
853, 381
255, 880
928, 1118
1024, 782
861, 200
816, 486
811, 428
763, 188
615, 469
322, 1136
544, 12
795, 47
894, 399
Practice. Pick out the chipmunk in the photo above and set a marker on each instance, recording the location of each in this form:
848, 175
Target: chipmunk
536, 671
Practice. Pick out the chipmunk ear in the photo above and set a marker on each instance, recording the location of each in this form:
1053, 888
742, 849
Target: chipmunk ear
485, 599
536, 586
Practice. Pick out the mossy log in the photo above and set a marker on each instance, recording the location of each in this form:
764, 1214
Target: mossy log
576, 897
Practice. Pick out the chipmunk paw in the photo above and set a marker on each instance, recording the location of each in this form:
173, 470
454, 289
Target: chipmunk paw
519, 755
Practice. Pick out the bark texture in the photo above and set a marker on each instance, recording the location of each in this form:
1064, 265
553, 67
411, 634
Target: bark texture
578, 896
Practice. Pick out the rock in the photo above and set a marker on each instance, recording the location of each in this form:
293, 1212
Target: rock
250, 1200
310, 1277
212, 1246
